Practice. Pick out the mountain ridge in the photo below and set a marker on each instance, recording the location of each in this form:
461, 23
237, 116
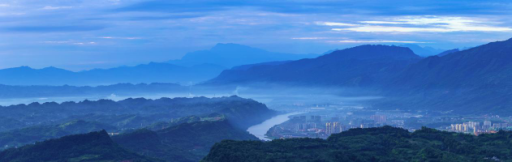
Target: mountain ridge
186, 142
230, 55
94, 146
143, 73
357, 66
475, 80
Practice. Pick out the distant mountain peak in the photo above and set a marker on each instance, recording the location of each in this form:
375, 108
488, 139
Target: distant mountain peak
222, 45
423, 51
356, 66
234, 47
374, 52
230, 54
52, 68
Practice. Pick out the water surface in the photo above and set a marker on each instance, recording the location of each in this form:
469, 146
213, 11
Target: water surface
261, 129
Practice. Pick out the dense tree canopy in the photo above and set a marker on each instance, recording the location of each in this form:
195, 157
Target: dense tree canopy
94, 146
186, 142
370, 145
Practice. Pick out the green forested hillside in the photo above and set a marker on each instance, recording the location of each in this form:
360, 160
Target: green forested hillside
29, 135
134, 113
91, 147
186, 142
363, 66
372, 145
186, 138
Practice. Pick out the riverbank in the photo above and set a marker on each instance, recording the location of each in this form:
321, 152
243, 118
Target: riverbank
261, 129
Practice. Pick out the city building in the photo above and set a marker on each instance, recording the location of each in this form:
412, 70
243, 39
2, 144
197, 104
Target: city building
333, 127
378, 118
487, 125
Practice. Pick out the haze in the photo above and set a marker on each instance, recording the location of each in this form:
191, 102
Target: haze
255, 80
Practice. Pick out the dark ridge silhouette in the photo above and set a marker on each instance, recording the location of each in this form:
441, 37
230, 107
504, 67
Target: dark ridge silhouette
144, 73
186, 142
94, 146
369, 145
360, 66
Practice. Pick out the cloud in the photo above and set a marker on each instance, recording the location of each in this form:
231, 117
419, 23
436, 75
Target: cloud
348, 40
56, 7
410, 24
348, 7
11, 14
379, 41
131, 27
433, 29
380, 22
56, 42
166, 17
4, 5
334, 24
129, 38
176, 6
47, 29
309, 38
70, 42
85, 43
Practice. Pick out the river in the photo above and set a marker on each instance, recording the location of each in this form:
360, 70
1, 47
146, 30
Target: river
261, 129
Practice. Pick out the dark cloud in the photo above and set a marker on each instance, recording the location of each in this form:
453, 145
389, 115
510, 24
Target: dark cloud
380, 7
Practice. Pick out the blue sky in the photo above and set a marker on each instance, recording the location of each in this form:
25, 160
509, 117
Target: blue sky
85, 34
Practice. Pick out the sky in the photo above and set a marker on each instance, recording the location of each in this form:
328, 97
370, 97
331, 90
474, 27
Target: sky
85, 34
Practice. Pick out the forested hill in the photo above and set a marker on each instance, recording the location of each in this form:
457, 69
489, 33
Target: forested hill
29, 135
384, 144
121, 89
386, 66
475, 81
136, 112
94, 146
360, 66
489, 64
54, 120
471, 81
186, 142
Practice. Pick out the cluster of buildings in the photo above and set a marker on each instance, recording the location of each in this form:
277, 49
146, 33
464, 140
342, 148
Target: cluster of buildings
314, 126
320, 124
333, 127
477, 127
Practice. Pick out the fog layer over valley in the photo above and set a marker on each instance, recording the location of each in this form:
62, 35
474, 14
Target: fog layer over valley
48, 119
361, 87
255, 81
471, 81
